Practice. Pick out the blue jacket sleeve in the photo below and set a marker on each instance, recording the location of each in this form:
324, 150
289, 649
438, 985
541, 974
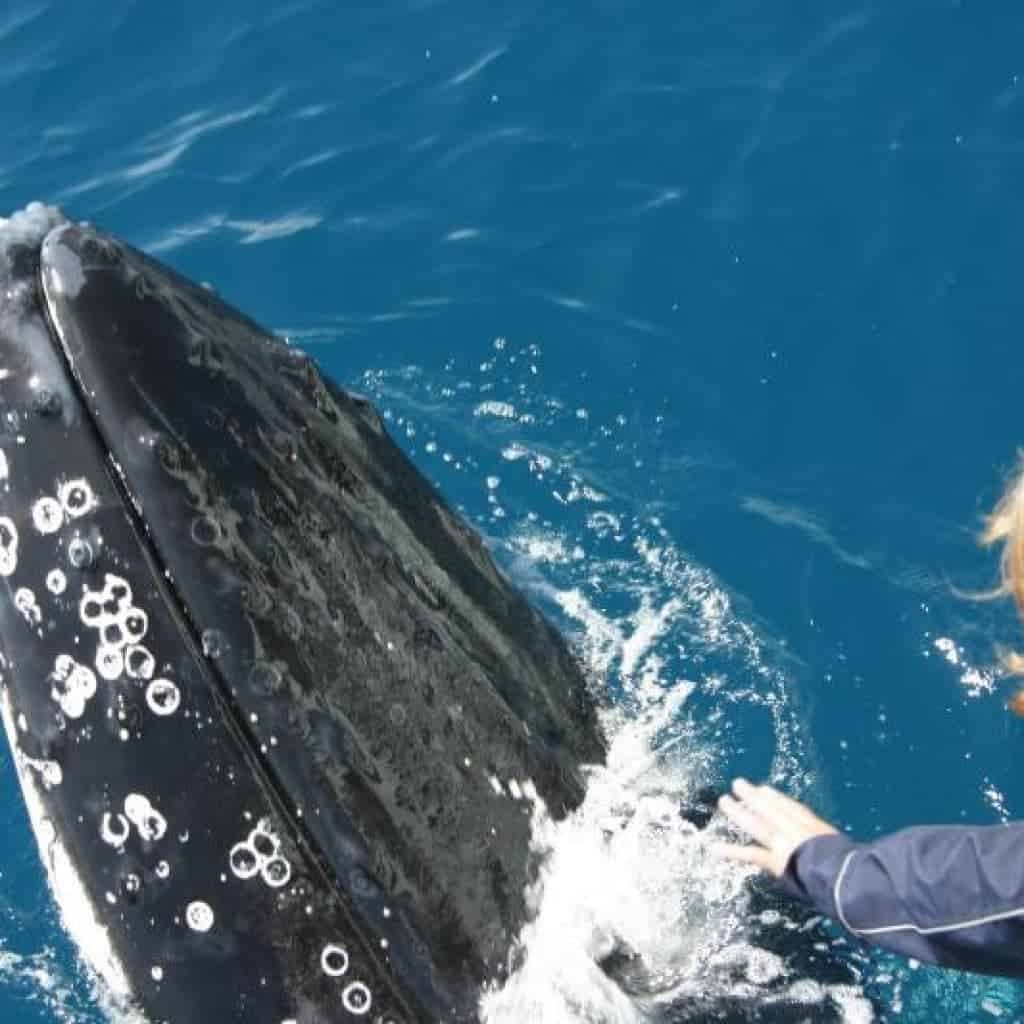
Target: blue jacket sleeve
948, 895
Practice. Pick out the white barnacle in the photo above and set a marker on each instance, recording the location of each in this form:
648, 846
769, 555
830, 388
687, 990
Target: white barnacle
114, 829
149, 822
49, 771
56, 582
109, 661
76, 498
25, 602
163, 697
91, 610
264, 840
135, 624
276, 872
245, 861
73, 685
100, 608
118, 589
356, 998
139, 662
199, 916
47, 515
334, 960
8, 546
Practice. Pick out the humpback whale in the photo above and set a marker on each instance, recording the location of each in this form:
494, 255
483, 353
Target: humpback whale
278, 718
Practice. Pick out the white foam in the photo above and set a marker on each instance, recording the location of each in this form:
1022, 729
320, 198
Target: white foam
625, 871
501, 410
30, 225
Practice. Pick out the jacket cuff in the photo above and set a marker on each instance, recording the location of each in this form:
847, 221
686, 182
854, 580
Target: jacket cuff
813, 869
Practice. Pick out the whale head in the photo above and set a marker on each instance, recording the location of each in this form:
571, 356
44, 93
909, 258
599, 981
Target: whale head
280, 721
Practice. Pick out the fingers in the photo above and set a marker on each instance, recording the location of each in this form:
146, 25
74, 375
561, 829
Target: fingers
775, 807
777, 823
755, 855
742, 814
784, 806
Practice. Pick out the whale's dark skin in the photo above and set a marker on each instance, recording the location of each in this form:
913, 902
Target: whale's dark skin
353, 674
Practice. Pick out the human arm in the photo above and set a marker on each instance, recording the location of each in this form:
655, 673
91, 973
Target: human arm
951, 895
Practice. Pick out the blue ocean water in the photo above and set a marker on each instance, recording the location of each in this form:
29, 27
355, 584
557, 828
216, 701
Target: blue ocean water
707, 315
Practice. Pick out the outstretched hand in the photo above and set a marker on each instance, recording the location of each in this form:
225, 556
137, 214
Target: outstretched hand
777, 823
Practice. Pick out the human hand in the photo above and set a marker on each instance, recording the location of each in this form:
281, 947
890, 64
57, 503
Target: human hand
777, 823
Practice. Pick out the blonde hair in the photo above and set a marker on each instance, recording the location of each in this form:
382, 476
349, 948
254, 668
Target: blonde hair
1005, 524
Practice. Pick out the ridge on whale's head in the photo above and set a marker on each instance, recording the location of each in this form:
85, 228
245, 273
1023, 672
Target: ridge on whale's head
278, 718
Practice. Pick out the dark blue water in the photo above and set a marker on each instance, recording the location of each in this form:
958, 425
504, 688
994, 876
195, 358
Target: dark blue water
748, 272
